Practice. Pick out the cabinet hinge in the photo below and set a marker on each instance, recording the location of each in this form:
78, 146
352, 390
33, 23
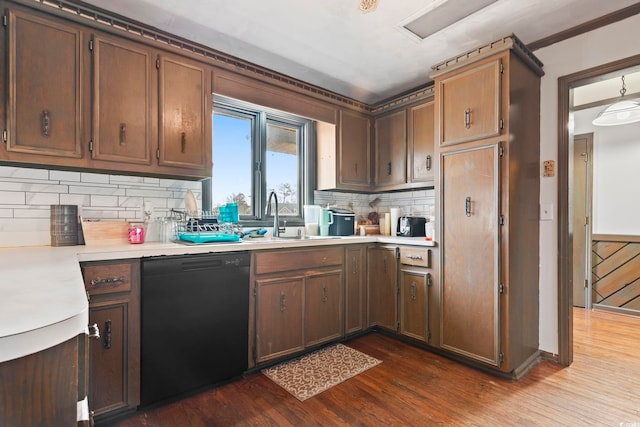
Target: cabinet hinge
502, 68
501, 124
428, 335
501, 150
4, 136
397, 326
501, 288
158, 63
501, 220
255, 292
91, 45
91, 146
586, 220
397, 253
586, 283
500, 358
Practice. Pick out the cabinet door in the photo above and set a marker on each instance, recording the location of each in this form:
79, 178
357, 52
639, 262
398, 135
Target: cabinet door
323, 307
470, 253
413, 304
420, 140
382, 287
354, 152
44, 86
470, 104
391, 149
108, 377
279, 317
185, 114
122, 101
355, 293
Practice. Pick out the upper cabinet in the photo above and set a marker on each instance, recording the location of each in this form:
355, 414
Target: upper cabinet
344, 152
470, 104
185, 113
44, 94
391, 149
420, 137
78, 97
122, 101
404, 146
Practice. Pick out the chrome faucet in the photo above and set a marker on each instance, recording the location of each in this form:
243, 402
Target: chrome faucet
276, 217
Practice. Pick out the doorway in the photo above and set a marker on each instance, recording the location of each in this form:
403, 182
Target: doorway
581, 199
565, 235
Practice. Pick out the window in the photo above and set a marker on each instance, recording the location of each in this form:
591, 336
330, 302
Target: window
257, 151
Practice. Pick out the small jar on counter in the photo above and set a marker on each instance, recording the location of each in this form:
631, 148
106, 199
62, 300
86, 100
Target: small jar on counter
136, 232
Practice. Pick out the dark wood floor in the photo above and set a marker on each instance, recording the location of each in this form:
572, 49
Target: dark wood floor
413, 387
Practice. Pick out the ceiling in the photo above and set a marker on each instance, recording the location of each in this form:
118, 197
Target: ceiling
332, 44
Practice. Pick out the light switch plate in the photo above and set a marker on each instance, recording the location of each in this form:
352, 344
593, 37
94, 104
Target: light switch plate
546, 212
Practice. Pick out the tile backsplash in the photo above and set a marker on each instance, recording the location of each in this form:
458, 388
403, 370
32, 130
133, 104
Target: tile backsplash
27, 194
416, 203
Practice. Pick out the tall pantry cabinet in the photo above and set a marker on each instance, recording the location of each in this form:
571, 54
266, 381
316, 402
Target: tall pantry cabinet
487, 179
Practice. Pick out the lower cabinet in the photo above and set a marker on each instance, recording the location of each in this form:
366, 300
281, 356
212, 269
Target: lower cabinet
43, 389
355, 292
114, 359
399, 283
299, 300
382, 286
279, 315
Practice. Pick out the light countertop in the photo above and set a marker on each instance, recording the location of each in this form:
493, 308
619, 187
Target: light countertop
42, 296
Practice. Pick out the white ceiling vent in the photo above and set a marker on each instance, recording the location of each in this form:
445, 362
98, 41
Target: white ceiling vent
442, 15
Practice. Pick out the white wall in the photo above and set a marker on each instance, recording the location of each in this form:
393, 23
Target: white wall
616, 174
597, 47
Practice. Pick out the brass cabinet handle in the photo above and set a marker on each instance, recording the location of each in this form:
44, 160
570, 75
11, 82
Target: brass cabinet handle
428, 165
283, 301
467, 118
107, 335
123, 134
45, 123
467, 206
183, 142
107, 281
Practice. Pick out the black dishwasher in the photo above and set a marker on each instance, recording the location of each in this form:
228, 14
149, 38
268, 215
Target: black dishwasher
195, 316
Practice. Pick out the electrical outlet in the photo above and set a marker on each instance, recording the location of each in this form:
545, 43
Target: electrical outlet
546, 212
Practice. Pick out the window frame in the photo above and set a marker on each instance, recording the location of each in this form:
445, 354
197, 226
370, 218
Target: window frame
261, 116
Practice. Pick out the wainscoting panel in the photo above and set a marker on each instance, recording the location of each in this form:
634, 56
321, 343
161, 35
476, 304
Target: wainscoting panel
616, 271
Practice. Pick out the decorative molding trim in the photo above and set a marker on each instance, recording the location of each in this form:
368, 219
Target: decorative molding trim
505, 43
81, 11
404, 99
623, 238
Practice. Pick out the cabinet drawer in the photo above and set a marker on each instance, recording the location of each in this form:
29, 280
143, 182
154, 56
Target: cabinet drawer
415, 256
109, 278
301, 259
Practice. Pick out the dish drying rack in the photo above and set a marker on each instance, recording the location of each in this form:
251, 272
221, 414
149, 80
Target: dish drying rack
204, 228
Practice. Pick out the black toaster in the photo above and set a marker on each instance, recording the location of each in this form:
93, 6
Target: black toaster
411, 226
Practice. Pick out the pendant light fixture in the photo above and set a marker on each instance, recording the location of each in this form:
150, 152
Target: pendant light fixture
368, 5
621, 113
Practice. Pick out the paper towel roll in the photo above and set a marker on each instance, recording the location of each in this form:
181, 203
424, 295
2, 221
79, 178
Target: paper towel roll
387, 224
395, 213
